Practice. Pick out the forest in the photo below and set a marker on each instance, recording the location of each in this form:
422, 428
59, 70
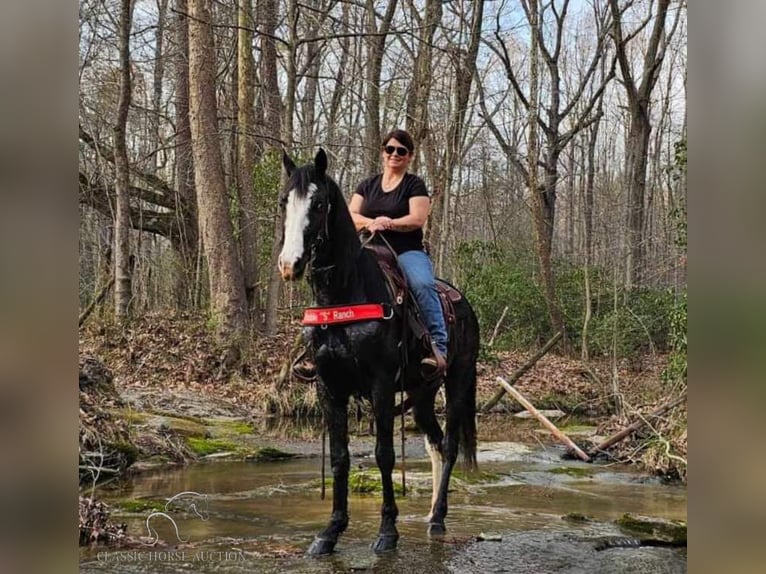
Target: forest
551, 135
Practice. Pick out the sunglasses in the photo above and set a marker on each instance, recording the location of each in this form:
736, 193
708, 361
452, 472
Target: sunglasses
400, 151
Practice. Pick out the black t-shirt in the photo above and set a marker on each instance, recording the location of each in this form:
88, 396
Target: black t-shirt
393, 204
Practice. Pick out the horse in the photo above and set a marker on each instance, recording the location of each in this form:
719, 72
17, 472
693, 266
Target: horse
364, 359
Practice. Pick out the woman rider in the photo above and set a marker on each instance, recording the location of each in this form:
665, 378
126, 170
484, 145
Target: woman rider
395, 204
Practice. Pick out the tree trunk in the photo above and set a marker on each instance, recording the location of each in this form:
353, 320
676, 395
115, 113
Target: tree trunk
375, 46
246, 160
420, 89
122, 267
311, 80
543, 197
635, 175
159, 74
588, 230
340, 75
227, 293
268, 17
288, 111
569, 249
188, 241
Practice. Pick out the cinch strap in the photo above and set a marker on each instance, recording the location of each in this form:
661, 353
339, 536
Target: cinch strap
345, 314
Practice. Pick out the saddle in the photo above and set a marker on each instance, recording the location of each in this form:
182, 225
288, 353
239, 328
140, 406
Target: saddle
404, 305
404, 301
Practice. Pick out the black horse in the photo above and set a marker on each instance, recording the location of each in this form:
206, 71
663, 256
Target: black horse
363, 358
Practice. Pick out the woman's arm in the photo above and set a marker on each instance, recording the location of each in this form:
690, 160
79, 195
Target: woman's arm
355, 206
416, 218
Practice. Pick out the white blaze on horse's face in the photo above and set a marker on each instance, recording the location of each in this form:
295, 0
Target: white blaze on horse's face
296, 221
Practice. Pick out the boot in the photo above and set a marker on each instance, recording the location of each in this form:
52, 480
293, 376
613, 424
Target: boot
433, 367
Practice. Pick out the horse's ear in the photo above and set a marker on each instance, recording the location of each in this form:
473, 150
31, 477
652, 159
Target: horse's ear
320, 162
288, 163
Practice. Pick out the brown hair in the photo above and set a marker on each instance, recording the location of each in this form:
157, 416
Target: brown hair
403, 137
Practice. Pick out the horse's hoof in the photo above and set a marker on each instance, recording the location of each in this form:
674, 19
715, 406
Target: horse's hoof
321, 547
385, 542
436, 529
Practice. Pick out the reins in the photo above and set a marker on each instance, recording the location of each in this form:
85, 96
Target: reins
402, 365
399, 375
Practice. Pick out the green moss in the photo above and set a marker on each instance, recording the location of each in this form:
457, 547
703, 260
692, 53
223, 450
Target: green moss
651, 527
190, 418
185, 427
127, 450
572, 471
238, 427
205, 446
367, 481
141, 505
130, 416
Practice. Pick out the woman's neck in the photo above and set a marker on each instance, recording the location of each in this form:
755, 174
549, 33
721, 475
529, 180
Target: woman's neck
392, 178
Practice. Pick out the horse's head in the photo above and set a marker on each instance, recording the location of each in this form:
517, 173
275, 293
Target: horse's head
305, 205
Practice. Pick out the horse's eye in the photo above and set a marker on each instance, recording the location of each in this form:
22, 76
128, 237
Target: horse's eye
319, 204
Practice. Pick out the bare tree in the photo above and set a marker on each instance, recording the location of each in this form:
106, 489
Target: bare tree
638, 91
553, 122
376, 42
227, 293
159, 75
465, 71
271, 101
122, 265
246, 160
418, 96
188, 237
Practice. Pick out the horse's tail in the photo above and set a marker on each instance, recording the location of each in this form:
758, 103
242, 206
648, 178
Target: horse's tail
467, 421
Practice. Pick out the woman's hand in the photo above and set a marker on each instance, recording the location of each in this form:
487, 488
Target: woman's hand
381, 223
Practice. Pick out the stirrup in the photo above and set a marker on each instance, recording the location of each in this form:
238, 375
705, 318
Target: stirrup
304, 368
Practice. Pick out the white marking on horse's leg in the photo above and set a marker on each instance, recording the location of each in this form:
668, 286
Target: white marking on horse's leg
296, 221
436, 474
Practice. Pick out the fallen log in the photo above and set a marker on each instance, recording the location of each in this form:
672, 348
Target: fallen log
630, 429
521, 371
546, 423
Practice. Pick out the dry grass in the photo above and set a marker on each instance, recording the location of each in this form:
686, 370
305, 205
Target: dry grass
177, 353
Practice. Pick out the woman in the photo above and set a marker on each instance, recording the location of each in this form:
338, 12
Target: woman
395, 204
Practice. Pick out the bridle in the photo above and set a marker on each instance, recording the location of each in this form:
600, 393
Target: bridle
322, 236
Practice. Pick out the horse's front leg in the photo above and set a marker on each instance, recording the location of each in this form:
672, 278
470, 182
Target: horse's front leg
337, 426
383, 405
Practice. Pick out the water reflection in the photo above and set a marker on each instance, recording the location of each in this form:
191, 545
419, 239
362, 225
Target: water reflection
269, 512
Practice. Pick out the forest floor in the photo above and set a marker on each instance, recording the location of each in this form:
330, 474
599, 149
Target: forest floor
169, 364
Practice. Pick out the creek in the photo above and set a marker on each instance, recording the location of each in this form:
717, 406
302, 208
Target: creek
528, 511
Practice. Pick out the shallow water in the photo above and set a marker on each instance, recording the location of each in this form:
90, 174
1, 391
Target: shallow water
260, 517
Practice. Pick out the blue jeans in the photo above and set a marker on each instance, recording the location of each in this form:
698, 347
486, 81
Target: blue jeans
419, 272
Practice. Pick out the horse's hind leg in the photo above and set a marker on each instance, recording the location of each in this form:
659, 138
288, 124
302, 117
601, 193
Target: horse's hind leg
383, 406
457, 402
336, 419
425, 418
